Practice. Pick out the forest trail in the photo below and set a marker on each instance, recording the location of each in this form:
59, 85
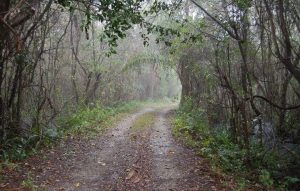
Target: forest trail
176, 167
105, 162
125, 159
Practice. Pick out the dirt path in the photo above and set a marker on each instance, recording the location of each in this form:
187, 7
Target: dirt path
104, 165
122, 159
176, 167
166, 173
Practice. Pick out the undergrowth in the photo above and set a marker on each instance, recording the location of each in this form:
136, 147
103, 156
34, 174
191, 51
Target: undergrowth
90, 121
86, 121
226, 157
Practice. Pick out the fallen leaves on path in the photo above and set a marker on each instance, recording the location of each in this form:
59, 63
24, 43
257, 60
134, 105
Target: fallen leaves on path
101, 163
77, 184
128, 164
131, 174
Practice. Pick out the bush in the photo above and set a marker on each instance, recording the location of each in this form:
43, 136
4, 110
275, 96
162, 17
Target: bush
258, 165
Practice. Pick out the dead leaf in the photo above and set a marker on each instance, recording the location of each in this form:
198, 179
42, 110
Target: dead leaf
77, 184
2, 185
130, 174
134, 137
170, 152
136, 166
102, 163
136, 179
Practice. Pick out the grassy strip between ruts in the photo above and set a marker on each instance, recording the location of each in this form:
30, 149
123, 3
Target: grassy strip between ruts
139, 127
144, 121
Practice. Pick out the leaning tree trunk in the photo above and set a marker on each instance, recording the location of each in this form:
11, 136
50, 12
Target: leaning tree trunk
4, 7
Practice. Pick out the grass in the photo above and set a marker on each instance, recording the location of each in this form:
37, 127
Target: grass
92, 121
141, 124
144, 121
28, 183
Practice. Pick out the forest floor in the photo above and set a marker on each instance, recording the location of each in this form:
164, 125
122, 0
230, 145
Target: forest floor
139, 153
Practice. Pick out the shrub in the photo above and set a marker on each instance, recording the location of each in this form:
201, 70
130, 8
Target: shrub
257, 165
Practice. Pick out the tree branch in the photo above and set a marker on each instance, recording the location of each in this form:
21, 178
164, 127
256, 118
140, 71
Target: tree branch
216, 20
275, 105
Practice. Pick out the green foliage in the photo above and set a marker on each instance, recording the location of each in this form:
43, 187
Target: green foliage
216, 144
93, 119
138, 61
287, 182
188, 125
243, 4
119, 16
18, 148
265, 178
230, 156
28, 183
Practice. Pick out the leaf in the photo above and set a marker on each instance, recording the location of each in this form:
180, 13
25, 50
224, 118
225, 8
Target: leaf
136, 179
102, 163
130, 174
77, 184
170, 152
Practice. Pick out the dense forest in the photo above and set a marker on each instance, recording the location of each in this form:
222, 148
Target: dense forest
232, 65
